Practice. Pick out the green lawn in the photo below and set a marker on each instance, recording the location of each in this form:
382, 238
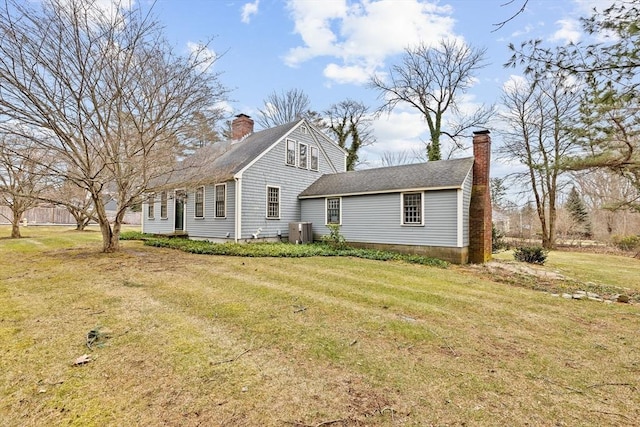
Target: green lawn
212, 340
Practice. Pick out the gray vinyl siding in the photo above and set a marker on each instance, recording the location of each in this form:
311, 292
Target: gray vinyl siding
466, 202
312, 210
330, 154
211, 227
377, 219
271, 171
158, 225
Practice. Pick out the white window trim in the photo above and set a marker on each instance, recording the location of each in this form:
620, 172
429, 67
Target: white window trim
412, 224
300, 144
215, 203
151, 203
195, 201
311, 148
267, 201
166, 205
286, 152
326, 211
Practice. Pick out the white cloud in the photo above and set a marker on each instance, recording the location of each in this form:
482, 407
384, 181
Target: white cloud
202, 54
569, 32
524, 31
586, 7
343, 74
248, 10
514, 82
401, 131
362, 34
101, 9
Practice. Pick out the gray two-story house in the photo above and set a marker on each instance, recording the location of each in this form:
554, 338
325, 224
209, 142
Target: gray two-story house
244, 188
255, 185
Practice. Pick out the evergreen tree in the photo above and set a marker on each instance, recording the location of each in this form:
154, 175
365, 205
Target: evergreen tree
578, 212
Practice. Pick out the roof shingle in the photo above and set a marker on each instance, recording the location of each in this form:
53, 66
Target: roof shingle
430, 175
219, 162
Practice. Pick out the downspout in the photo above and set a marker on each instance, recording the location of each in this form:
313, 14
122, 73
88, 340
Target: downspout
460, 217
238, 214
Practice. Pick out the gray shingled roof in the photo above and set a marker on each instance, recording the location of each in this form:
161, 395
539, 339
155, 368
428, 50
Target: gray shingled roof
219, 162
431, 175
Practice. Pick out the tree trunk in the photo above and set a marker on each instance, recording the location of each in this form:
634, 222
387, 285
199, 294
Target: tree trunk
110, 241
15, 231
110, 236
15, 225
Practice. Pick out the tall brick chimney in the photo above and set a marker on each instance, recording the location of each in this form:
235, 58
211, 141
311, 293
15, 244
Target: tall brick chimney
241, 126
480, 208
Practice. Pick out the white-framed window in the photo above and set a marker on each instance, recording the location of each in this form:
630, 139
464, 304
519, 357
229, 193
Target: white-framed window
302, 155
334, 212
291, 152
221, 200
304, 130
163, 205
199, 203
151, 206
313, 151
273, 202
412, 209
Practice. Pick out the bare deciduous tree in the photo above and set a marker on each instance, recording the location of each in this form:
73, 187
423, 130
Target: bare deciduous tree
22, 178
284, 107
538, 135
432, 79
397, 158
201, 130
76, 200
608, 66
103, 92
607, 196
349, 121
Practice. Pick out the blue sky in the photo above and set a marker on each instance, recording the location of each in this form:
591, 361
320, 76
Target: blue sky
329, 48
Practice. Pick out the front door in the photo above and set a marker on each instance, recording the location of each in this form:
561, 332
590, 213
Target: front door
179, 217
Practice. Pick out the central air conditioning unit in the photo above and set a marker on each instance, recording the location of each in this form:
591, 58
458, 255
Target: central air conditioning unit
300, 232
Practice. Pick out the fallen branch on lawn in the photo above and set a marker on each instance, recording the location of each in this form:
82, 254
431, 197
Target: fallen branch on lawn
612, 384
611, 413
233, 359
320, 424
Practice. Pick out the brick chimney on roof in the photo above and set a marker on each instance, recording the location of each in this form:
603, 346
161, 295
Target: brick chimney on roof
480, 208
241, 126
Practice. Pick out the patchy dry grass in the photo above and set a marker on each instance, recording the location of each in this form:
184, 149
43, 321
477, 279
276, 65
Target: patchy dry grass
228, 341
565, 271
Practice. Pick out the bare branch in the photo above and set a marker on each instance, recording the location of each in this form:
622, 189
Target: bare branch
431, 79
